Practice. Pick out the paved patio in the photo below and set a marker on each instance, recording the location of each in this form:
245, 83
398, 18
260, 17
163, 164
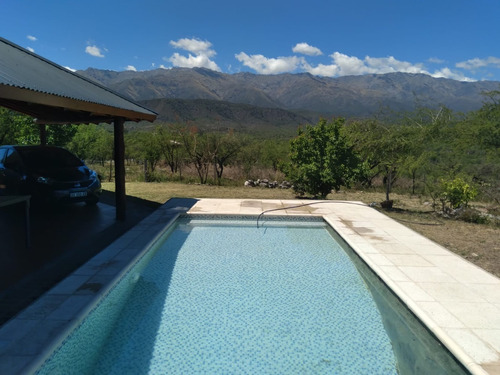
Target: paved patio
458, 301
62, 239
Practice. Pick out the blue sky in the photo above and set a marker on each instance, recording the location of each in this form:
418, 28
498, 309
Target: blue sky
458, 39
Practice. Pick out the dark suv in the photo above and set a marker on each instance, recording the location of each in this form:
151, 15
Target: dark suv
47, 173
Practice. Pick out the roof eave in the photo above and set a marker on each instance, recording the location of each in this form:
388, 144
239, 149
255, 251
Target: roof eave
52, 109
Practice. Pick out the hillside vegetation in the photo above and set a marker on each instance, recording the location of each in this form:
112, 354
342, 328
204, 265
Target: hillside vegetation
434, 152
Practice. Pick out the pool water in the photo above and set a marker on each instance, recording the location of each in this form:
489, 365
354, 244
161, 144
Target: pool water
228, 297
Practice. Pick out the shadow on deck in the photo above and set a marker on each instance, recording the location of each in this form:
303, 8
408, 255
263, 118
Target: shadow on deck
62, 239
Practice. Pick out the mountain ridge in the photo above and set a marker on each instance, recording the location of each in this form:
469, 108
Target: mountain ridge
347, 96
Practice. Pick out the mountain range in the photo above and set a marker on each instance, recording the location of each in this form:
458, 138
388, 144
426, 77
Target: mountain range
252, 101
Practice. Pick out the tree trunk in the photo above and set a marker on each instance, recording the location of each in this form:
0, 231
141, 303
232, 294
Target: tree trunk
388, 184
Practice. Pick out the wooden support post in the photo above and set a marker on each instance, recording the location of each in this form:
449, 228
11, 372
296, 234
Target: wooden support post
119, 168
43, 134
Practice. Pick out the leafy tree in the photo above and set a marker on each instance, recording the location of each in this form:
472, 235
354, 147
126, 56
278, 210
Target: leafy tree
11, 126
16, 128
248, 157
60, 135
477, 143
384, 148
224, 149
171, 146
321, 159
274, 153
364, 135
145, 146
198, 151
92, 142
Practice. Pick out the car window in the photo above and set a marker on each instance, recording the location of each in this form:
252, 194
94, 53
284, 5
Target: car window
2, 154
13, 160
48, 157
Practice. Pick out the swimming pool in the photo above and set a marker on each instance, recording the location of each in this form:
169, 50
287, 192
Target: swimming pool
285, 297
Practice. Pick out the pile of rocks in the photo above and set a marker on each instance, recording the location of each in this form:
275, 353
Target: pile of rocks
268, 184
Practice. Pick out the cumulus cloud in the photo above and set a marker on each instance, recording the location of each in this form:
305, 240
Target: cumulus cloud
477, 63
448, 73
200, 54
265, 65
30, 49
32, 38
350, 65
196, 46
199, 61
306, 49
131, 68
343, 65
321, 70
70, 69
94, 51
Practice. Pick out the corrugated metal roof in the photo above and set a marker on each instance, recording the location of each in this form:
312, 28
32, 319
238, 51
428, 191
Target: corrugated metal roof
23, 69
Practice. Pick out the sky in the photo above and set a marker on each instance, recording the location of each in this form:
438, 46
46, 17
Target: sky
456, 39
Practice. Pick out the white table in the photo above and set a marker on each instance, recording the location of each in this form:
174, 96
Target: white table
7, 200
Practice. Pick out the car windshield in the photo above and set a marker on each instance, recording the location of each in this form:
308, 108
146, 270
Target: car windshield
49, 157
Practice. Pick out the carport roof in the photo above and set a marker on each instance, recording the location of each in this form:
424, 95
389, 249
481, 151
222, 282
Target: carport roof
53, 94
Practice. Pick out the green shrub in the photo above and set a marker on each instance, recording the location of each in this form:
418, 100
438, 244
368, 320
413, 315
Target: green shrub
457, 192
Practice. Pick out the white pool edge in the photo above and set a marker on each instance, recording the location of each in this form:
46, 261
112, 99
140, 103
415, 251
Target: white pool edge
455, 349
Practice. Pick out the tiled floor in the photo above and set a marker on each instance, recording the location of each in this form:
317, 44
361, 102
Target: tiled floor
62, 238
459, 302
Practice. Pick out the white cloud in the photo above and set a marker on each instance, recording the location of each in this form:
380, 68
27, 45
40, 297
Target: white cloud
32, 38
447, 73
343, 65
435, 60
199, 61
479, 63
349, 65
196, 46
306, 49
131, 68
265, 65
70, 69
30, 49
321, 70
199, 56
94, 51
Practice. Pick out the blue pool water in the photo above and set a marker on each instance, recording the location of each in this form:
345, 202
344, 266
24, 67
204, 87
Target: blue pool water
230, 298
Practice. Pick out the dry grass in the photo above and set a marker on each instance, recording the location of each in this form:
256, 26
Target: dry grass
477, 243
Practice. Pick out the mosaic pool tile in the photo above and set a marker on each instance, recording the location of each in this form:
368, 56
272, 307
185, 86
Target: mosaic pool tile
263, 300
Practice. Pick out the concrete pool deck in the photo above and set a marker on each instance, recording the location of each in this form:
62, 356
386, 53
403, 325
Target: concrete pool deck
458, 301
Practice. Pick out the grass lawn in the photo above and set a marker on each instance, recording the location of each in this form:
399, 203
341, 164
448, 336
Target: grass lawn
478, 243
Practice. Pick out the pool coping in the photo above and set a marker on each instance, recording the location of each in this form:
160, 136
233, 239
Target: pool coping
457, 301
